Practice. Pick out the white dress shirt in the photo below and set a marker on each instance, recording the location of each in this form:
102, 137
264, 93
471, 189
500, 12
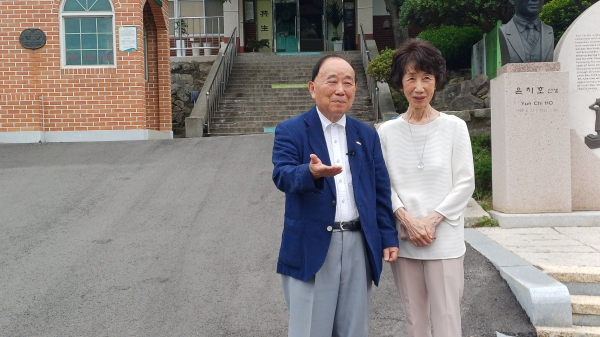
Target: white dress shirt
337, 146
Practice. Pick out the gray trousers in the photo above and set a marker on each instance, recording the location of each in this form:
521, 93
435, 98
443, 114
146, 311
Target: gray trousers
337, 301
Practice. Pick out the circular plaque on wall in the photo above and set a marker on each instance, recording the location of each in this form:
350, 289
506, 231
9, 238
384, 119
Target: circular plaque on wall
32, 38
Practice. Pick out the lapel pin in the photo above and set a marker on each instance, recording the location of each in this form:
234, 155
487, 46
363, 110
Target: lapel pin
357, 142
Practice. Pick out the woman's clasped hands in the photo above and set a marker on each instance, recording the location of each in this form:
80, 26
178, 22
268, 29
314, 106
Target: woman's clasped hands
421, 232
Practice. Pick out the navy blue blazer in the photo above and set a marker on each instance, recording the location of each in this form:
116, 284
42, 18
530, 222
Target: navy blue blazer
310, 204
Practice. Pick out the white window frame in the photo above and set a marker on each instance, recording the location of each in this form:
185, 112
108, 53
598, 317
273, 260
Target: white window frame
62, 15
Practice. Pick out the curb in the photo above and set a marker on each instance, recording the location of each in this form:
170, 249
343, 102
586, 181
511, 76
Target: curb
573, 219
474, 213
546, 301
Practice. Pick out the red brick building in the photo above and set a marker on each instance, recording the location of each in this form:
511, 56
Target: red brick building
103, 73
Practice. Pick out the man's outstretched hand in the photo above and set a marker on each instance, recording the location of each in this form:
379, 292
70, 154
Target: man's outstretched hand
320, 170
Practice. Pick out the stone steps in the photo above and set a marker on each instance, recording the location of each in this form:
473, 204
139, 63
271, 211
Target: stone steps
586, 310
279, 69
220, 131
575, 331
253, 121
251, 105
269, 86
287, 105
270, 82
263, 99
279, 78
573, 273
250, 117
583, 284
266, 90
276, 114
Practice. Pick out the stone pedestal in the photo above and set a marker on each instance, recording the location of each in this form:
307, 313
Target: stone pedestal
531, 150
592, 141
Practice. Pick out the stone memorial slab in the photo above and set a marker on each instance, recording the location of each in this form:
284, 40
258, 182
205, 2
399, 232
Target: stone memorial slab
578, 52
478, 65
531, 160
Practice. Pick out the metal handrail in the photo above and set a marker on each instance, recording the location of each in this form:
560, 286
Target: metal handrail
217, 86
371, 83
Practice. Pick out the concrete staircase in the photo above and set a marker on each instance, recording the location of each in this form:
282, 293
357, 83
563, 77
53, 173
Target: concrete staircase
266, 89
584, 286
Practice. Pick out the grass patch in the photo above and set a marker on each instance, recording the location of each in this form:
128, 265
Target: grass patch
486, 222
485, 202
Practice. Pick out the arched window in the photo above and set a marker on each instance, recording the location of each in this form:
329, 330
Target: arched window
87, 37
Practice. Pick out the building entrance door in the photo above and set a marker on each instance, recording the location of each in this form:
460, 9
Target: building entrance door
286, 26
299, 25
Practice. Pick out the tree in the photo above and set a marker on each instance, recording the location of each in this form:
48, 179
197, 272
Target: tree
400, 31
560, 14
424, 14
581, 4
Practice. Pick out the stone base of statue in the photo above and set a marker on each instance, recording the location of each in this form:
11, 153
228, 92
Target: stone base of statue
531, 156
592, 141
585, 170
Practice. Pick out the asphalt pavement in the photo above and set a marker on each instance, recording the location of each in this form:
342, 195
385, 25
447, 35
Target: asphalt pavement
170, 238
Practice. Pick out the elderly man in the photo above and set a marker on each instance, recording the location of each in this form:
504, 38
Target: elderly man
525, 38
338, 219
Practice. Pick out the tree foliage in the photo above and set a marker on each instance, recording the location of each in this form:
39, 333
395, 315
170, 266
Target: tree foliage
581, 3
455, 43
380, 67
423, 14
559, 14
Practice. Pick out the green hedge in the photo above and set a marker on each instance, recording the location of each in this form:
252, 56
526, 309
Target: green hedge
482, 160
380, 67
455, 43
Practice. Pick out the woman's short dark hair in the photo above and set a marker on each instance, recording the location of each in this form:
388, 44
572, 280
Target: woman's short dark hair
317, 67
423, 56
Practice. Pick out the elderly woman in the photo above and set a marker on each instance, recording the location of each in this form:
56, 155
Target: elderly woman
430, 163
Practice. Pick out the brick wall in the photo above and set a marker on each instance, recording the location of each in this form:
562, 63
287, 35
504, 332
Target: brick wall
384, 37
39, 98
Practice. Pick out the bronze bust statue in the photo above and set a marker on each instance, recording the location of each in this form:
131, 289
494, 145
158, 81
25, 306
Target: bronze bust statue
525, 38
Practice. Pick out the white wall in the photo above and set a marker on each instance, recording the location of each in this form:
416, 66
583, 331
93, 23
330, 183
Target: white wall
364, 15
379, 8
231, 16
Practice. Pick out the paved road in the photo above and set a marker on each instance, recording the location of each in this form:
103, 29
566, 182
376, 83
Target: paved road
169, 238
